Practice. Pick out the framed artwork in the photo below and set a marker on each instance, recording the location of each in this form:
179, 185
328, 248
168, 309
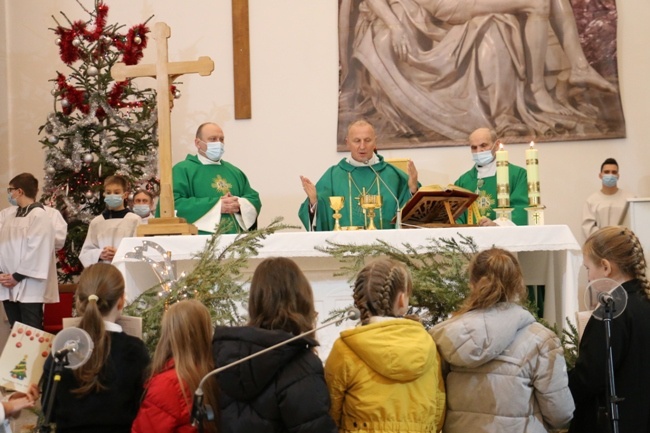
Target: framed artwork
427, 73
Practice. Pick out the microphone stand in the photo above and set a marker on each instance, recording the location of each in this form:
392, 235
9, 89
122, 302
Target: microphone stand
201, 411
611, 390
60, 361
398, 214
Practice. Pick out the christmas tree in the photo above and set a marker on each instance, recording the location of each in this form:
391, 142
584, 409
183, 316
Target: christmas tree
98, 127
20, 371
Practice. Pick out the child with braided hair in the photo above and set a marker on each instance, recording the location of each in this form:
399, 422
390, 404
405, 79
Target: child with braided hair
103, 395
384, 376
615, 252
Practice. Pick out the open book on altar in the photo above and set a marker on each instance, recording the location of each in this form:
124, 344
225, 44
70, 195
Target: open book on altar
437, 206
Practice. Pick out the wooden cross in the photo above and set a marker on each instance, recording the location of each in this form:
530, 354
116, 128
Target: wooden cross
164, 72
241, 59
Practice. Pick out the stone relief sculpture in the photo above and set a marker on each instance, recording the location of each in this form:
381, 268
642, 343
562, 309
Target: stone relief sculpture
428, 72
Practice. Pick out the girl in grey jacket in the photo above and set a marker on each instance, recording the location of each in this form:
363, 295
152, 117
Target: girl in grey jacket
505, 372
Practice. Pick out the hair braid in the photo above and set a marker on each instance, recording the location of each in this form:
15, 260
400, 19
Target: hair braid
377, 286
621, 246
640, 264
361, 299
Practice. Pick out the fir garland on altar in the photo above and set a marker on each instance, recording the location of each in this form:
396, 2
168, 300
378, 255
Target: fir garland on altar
98, 127
216, 281
439, 271
440, 280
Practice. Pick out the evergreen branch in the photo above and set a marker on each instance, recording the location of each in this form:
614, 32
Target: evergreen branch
438, 269
216, 281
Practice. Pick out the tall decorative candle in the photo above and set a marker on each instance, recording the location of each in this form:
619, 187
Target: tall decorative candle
503, 178
532, 171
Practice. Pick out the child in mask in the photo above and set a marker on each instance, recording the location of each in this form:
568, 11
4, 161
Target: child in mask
143, 204
385, 376
107, 230
27, 264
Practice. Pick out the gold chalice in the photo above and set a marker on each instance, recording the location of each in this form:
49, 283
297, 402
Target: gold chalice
337, 203
370, 203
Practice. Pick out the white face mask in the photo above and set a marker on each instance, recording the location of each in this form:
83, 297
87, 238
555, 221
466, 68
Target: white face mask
142, 210
215, 150
113, 200
483, 158
610, 180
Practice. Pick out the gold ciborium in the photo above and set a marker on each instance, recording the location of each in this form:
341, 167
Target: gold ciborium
370, 203
337, 203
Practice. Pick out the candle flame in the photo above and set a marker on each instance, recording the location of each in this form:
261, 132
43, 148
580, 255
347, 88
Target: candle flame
532, 144
500, 146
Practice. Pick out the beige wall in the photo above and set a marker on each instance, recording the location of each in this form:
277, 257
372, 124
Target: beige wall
294, 86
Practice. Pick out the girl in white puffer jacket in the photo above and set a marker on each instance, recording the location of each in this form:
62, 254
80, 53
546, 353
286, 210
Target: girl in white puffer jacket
506, 372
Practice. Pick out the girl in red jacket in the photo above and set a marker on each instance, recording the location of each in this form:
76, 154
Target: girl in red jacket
181, 360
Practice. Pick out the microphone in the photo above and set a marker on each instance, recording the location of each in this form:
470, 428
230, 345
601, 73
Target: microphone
604, 298
398, 214
70, 346
199, 410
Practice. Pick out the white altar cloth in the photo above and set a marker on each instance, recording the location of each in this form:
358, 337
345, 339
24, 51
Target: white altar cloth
549, 256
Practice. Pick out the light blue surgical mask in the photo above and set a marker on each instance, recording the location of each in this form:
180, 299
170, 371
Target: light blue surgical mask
610, 180
215, 150
482, 158
12, 201
143, 210
113, 200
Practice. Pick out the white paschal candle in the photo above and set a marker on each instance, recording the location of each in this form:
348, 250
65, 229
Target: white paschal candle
503, 179
532, 172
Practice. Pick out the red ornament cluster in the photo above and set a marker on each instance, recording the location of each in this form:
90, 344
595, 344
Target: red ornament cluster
131, 45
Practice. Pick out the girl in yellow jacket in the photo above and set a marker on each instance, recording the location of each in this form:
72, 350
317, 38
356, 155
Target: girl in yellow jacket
384, 376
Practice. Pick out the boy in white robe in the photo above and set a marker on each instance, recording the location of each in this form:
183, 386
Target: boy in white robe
107, 230
27, 263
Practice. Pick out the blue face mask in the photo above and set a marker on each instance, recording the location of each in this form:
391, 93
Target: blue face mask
113, 200
610, 179
215, 150
482, 158
12, 201
143, 210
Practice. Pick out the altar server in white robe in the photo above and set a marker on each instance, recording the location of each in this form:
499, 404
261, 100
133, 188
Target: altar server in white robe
27, 264
107, 230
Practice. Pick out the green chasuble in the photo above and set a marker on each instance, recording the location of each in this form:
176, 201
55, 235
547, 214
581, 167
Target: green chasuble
198, 187
348, 181
486, 188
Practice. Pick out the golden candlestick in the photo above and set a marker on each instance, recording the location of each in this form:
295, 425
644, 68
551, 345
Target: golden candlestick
370, 203
337, 203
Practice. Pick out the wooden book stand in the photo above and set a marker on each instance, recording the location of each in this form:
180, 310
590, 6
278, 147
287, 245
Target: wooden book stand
436, 206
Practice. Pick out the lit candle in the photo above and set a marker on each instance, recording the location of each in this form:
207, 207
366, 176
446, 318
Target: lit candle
532, 172
503, 179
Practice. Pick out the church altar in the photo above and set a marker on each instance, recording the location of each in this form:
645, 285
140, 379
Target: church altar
549, 256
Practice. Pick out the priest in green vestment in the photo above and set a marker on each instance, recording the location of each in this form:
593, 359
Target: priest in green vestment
208, 189
482, 179
362, 172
